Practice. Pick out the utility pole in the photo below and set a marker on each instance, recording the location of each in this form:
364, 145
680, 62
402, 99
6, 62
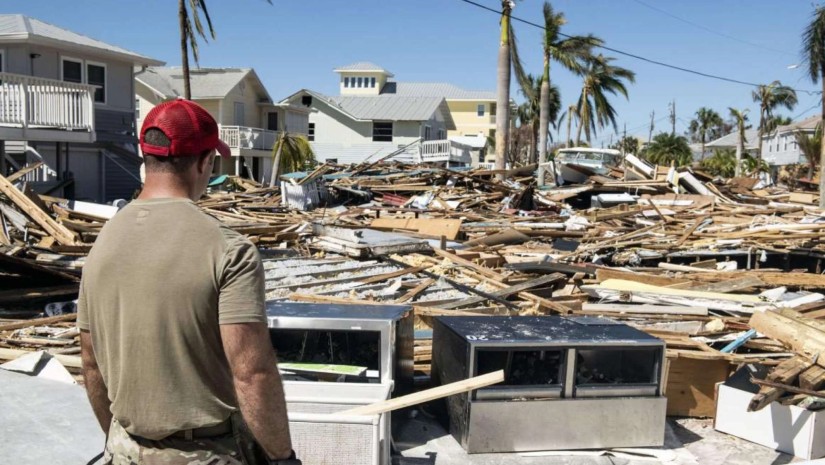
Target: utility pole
650, 133
673, 118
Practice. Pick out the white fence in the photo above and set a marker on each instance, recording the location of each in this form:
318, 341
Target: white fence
243, 137
442, 151
32, 102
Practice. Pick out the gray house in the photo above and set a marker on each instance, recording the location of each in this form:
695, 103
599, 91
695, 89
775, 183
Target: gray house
68, 101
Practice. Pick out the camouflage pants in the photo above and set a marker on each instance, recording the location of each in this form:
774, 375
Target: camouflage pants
125, 449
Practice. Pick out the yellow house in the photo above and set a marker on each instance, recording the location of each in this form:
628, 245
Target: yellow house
249, 120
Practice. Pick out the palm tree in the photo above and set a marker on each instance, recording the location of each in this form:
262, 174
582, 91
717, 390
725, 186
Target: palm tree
568, 52
739, 117
775, 121
189, 21
187, 35
507, 57
568, 114
721, 163
666, 148
289, 154
600, 78
810, 145
706, 120
770, 97
813, 49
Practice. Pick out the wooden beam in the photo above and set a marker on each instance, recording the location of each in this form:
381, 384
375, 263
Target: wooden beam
38, 322
428, 395
508, 291
642, 308
467, 263
800, 337
415, 291
56, 230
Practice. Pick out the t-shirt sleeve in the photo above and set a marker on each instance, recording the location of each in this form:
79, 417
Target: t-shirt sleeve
82, 310
241, 285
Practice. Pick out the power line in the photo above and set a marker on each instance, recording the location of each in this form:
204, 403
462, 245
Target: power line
707, 29
638, 57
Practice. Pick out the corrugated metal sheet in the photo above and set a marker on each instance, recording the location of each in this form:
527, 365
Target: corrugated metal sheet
435, 89
390, 107
206, 82
23, 27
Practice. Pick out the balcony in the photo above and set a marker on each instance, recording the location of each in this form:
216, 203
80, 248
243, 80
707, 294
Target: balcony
39, 109
242, 138
439, 151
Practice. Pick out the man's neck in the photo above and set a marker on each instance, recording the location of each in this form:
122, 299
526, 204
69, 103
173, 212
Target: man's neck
158, 187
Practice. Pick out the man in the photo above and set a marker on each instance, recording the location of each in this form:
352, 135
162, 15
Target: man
171, 312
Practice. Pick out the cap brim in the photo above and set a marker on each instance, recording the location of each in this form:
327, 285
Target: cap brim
223, 149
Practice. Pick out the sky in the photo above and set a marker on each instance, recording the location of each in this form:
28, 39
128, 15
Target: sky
296, 44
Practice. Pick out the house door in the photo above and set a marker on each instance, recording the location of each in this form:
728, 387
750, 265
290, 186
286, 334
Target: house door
272, 121
239, 114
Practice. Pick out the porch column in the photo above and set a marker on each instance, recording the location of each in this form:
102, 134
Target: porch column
3, 158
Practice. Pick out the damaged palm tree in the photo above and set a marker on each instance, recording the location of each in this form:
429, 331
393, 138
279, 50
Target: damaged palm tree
289, 154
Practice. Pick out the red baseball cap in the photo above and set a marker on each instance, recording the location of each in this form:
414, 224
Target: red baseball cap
190, 128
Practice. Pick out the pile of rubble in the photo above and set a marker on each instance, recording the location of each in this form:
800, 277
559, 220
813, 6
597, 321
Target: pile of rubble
725, 271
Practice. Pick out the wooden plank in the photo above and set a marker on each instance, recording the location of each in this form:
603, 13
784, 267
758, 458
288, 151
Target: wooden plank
691, 386
508, 291
23, 295
803, 339
69, 361
24, 171
58, 231
435, 227
785, 373
730, 285
393, 274
467, 263
415, 291
428, 395
38, 322
643, 308
603, 274
813, 378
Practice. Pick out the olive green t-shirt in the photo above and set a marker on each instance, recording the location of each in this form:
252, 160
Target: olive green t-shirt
160, 280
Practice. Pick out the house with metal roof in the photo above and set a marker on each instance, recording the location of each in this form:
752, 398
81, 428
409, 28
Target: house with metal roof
249, 120
67, 103
731, 141
779, 147
374, 115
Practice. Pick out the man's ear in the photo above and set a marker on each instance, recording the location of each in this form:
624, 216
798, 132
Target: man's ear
205, 162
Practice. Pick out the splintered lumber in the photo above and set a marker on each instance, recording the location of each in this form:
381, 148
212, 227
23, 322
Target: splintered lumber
435, 227
788, 388
428, 395
785, 373
55, 229
38, 322
813, 378
656, 309
467, 263
621, 290
800, 337
415, 291
730, 285
770, 278
508, 291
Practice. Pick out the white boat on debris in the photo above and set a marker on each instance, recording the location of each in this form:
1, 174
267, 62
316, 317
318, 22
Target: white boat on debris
576, 164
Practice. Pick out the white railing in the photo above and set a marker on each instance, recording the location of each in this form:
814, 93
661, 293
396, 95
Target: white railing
443, 151
32, 102
243, 137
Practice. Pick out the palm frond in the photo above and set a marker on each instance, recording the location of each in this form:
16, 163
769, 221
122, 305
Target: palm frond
813, 45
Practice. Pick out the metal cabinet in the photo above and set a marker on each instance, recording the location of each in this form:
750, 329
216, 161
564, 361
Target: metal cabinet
570, 383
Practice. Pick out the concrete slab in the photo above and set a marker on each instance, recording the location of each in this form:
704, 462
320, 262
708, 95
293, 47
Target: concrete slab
44, 421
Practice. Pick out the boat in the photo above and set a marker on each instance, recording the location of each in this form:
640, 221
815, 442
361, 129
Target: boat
574, 165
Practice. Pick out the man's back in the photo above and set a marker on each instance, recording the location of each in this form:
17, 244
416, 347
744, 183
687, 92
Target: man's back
159, 281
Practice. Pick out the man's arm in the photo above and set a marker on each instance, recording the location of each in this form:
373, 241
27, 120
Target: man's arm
258, 385
95, 388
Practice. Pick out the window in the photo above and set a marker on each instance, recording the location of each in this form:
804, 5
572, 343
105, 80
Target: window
72, 71
311, 132
492, 109
427, 133
360, 81
346, 82
785, 143
137, 108
96, 76
272, 120
441, 134
480, 110
382, 131
239, 114
372, 82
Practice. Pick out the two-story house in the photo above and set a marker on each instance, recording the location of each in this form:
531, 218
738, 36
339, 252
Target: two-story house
67, 101
779, 147
249, 120
374, 116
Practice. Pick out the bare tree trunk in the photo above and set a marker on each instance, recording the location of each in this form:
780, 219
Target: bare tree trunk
702, 158
544, 111
183, 20
583, 111
822, 147
737, 171
276, 161
503, 88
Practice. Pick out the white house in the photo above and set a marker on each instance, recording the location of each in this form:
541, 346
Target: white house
67, 100
375, 116
249, 120
731, 141
779, 148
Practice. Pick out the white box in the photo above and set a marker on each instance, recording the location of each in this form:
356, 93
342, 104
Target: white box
788, 429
